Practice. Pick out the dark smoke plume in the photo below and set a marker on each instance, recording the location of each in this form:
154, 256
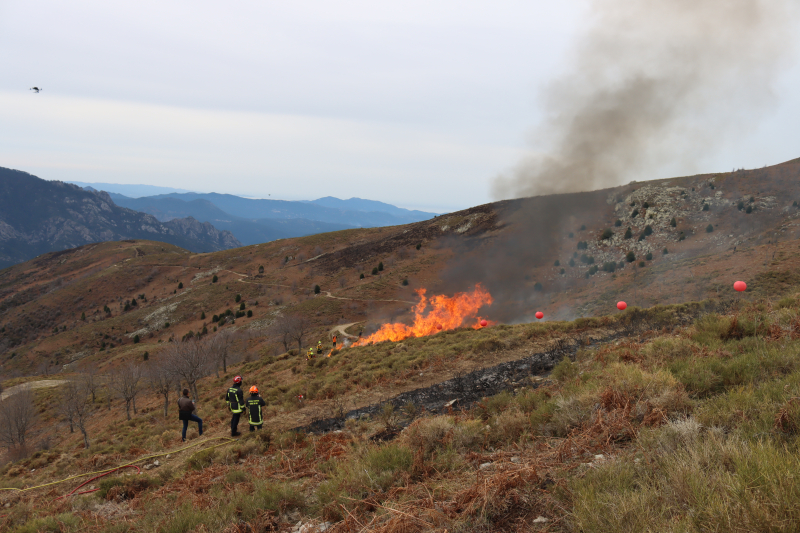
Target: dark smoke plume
651, 82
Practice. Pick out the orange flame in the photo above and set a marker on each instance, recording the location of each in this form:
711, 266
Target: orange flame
445, 313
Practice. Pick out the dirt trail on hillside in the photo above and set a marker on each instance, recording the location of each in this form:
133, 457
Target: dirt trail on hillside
341, 330
42, 384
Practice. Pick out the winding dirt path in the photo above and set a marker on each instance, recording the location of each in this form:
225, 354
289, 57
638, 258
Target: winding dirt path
41, 384
341, 330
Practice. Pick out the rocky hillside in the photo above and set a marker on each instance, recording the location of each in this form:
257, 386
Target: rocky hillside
38, 216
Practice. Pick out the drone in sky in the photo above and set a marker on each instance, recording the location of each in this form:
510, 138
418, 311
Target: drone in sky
36, 89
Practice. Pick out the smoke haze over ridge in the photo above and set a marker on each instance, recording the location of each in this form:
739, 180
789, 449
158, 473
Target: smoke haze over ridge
651, 81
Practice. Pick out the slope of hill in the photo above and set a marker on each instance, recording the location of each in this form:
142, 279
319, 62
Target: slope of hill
37, 216
655, 412
247, 231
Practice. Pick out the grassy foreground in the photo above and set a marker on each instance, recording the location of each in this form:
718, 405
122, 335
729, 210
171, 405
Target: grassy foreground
693, 427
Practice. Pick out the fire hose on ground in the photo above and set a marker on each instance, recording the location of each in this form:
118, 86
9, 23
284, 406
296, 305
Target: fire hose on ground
101, 473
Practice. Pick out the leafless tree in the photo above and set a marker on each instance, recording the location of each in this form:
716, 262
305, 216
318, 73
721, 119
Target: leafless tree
283, 328
190, 360
76, 406
221, 345
17, 415
92, 381
125, 381
342, 282
317, 251
161, 378
300, 327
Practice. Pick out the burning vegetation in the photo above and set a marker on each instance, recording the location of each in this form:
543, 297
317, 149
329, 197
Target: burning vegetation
435, 314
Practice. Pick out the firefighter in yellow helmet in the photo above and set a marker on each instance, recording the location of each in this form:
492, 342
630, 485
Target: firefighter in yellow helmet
254, 405
319, 347
310, 354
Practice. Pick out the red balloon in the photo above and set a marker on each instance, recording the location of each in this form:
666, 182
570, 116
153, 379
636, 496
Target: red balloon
740, 286
539, 315
438, 326
621, 306
484, 323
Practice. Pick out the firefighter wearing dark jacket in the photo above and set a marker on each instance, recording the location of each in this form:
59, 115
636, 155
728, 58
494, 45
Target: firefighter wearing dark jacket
254, 405
235, 399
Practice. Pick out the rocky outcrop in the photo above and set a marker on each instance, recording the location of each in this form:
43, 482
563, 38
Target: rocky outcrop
38, 216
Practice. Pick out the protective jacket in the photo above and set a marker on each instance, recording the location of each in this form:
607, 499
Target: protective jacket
235, 399
254, 404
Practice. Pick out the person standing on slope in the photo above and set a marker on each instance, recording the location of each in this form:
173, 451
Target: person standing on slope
334, 342
235, 399
254, 405
186, 409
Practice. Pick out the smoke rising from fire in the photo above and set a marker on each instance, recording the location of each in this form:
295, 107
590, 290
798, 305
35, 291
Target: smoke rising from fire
651, 82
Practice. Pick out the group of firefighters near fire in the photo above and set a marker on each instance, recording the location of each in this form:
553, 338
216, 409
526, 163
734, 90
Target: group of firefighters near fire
236, 403
310, 355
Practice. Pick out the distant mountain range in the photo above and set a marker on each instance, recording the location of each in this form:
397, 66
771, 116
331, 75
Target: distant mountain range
265, 220
38, 216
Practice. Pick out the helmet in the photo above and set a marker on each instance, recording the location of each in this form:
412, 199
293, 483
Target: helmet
238, 380
253, 390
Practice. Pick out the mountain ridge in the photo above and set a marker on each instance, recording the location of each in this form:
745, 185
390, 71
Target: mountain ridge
38, 216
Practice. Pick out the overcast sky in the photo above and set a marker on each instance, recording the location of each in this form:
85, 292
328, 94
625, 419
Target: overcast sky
419, 104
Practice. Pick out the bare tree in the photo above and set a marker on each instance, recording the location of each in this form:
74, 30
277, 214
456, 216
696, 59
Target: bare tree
300, 327
220, 347
92, 381
76, 406
125, 381
161, 379
17, 414
283, 328
342, 282
190, 360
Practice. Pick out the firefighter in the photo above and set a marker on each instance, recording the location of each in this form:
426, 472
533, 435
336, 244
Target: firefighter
254, 405
235, 399
334, 342
310, 355
319, 347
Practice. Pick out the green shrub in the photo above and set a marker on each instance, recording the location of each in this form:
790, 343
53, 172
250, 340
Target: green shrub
375, 271
628, 233
557, 263
202, 459
238, 298
214, 279
565, 370
709, 228
705, 207
317, 290
630, 257
607, 234
617, 223
649, 256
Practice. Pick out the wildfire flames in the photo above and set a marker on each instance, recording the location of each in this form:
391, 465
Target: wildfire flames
434, 314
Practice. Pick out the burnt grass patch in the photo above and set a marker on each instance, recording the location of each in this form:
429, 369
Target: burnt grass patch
463, 390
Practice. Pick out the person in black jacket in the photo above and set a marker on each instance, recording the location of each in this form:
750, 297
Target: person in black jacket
254, 405
186, 409
235, 399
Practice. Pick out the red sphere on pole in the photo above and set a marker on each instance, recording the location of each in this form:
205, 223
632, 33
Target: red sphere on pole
740, 286
539, 315
484, 323
621, 306
438, 326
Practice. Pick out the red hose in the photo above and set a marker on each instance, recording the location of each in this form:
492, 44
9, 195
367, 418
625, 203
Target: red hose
72, 493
